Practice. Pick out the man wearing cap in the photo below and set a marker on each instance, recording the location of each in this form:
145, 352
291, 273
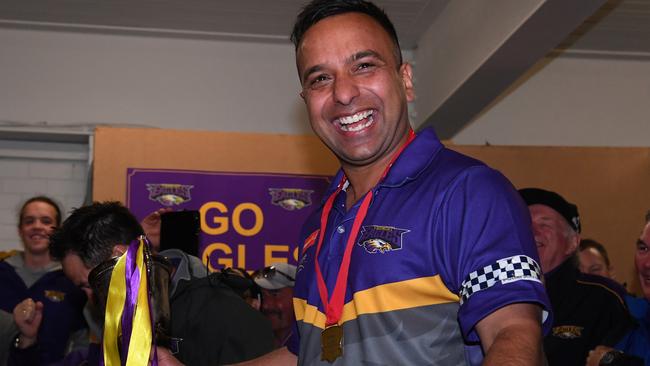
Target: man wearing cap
587, 309
277, 283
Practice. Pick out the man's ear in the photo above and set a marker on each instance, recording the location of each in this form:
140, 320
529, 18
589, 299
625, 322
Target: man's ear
118, 250
406, 73
575, 242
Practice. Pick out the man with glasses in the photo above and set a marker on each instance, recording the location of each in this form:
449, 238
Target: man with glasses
277, 283
634, 349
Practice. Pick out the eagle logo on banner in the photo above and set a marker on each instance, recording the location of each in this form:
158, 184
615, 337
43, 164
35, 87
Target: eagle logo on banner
169, 194
291, 198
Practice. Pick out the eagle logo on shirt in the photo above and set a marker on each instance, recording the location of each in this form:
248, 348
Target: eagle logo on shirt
54, 296
567, 331
381, 239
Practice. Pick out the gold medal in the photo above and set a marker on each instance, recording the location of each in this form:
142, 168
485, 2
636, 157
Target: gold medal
332, 343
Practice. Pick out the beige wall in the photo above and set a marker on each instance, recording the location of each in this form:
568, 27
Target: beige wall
609, 185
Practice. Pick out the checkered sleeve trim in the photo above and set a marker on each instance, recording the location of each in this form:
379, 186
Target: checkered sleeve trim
506, 270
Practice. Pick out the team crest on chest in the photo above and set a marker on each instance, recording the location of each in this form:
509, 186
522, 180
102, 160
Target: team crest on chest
381, 239
55, 296
567, 331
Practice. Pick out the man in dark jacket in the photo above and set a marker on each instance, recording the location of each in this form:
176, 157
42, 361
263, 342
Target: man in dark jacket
587, 310
210, 323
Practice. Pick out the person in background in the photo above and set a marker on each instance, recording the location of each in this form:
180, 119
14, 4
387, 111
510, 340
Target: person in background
32, 274
276, 282
244, 285
210, 323
593, 259
8, 332
634, 348
151, 225
587, 310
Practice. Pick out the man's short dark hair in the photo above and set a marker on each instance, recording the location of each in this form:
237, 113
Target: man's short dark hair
44, 199
92, 231
647, 217
590, 243
318, 10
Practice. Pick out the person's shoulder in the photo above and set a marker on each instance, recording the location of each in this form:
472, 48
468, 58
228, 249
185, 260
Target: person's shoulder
4, 254
13, 259
602, 287
638, 306
451, 159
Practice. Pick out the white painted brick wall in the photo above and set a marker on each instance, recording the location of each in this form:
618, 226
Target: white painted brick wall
20, 179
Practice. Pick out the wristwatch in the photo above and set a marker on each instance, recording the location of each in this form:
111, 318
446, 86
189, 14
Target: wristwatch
611, 358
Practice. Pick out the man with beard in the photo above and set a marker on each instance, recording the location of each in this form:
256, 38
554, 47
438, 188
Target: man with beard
276, 282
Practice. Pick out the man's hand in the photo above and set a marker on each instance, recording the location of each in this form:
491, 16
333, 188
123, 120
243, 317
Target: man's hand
165, 358
596, 354
512, 335
28, 316
151, 226
279, 357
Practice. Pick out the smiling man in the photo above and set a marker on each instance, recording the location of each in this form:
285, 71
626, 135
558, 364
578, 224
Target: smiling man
588, 310
419, 255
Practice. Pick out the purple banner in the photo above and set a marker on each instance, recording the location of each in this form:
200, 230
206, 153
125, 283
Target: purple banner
248, 220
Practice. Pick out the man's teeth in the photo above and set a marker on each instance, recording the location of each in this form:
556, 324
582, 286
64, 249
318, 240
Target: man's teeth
346, 121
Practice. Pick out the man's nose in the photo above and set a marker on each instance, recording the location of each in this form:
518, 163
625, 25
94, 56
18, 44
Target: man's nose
645, 263
41, 225
345, 89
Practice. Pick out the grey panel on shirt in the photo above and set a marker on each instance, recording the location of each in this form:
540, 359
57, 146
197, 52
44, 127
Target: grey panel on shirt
426, 335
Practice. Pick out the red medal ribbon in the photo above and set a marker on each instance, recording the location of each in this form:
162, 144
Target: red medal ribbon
334, 308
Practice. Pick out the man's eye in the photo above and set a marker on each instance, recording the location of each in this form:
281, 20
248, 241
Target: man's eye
318, 80
365, 66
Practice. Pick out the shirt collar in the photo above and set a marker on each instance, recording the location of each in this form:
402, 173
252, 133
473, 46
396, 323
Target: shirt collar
417, 156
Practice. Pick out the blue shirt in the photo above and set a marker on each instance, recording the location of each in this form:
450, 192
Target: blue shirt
446, 241
637, 342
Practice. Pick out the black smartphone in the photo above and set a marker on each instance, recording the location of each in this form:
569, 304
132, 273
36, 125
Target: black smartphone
180, 230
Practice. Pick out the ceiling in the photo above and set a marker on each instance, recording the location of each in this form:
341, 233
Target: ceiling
620, 27
255, 20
